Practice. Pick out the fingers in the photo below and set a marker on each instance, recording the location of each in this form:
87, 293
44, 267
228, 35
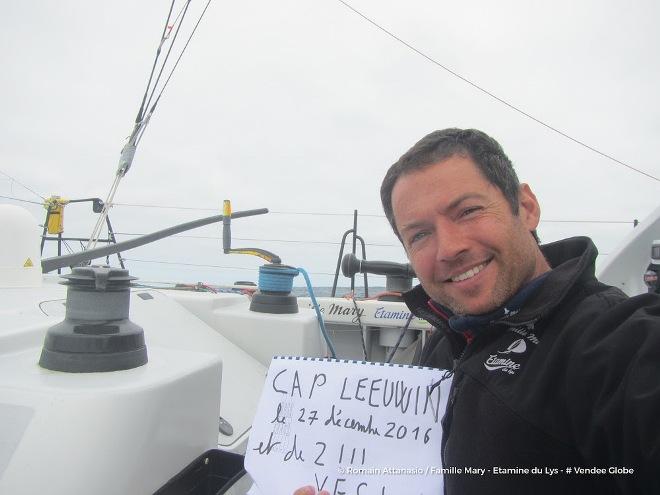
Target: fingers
309, 490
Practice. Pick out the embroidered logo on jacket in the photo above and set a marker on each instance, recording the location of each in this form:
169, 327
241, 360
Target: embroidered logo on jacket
526, 332
518, 347
510, 312
506, 364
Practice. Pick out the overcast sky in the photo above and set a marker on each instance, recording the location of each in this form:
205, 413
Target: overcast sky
300, 107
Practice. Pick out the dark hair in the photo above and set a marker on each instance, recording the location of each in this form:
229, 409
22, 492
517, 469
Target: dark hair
486, 153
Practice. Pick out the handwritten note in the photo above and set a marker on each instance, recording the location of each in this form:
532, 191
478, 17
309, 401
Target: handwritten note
348, 427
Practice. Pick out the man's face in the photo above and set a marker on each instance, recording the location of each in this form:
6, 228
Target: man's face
469, 251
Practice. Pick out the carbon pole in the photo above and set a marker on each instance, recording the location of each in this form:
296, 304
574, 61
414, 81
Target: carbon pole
50, 264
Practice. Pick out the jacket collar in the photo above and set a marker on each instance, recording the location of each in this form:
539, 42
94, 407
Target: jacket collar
571, 260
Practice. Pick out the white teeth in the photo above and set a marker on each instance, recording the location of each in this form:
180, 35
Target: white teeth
469, 274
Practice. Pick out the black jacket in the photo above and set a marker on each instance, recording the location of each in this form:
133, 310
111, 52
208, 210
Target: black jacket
570, 381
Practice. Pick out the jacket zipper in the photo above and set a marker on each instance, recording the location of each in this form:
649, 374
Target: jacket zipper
449, 413
453, 392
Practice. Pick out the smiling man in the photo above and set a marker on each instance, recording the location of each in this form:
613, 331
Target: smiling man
555, 376
552, 370
469, 249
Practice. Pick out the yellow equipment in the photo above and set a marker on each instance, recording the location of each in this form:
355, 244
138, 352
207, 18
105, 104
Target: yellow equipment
55, 207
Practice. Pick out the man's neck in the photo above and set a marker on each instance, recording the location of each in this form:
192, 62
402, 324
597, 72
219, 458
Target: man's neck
473, 323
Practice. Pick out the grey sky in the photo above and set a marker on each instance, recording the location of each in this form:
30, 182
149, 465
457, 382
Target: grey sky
301, 106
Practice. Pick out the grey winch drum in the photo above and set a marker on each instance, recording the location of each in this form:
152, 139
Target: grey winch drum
96, 334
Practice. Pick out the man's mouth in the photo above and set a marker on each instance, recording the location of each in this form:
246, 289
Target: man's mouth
470, 273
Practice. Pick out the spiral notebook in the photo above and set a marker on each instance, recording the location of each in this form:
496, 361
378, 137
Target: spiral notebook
348, 426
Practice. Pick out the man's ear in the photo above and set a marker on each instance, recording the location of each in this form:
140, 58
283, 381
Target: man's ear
529, 209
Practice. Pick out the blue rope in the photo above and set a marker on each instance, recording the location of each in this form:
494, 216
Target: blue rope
276, 279
280, 279
318, 313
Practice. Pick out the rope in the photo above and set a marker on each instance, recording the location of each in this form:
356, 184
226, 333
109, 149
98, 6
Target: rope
398, 342
362, 329
276, 278
279, 278
318, 313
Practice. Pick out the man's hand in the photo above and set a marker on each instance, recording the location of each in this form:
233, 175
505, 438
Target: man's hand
309, 490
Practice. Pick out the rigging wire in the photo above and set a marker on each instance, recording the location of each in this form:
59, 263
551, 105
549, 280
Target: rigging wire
290, 241
373, 215
201, 265
369, 215
23, 200
167, 56
252, 269
197, 265
22, 185
177, 60
287, 241
129, 149
166, 29
68, 248
492, 95
170, 207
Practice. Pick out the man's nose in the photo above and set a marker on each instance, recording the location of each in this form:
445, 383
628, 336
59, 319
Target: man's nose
451, 242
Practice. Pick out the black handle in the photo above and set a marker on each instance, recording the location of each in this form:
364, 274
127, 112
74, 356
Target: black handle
350, 265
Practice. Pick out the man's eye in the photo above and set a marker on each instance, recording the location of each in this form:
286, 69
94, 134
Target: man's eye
417, 236
469, 211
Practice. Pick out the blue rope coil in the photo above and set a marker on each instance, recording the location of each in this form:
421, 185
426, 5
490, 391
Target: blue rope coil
276, 279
